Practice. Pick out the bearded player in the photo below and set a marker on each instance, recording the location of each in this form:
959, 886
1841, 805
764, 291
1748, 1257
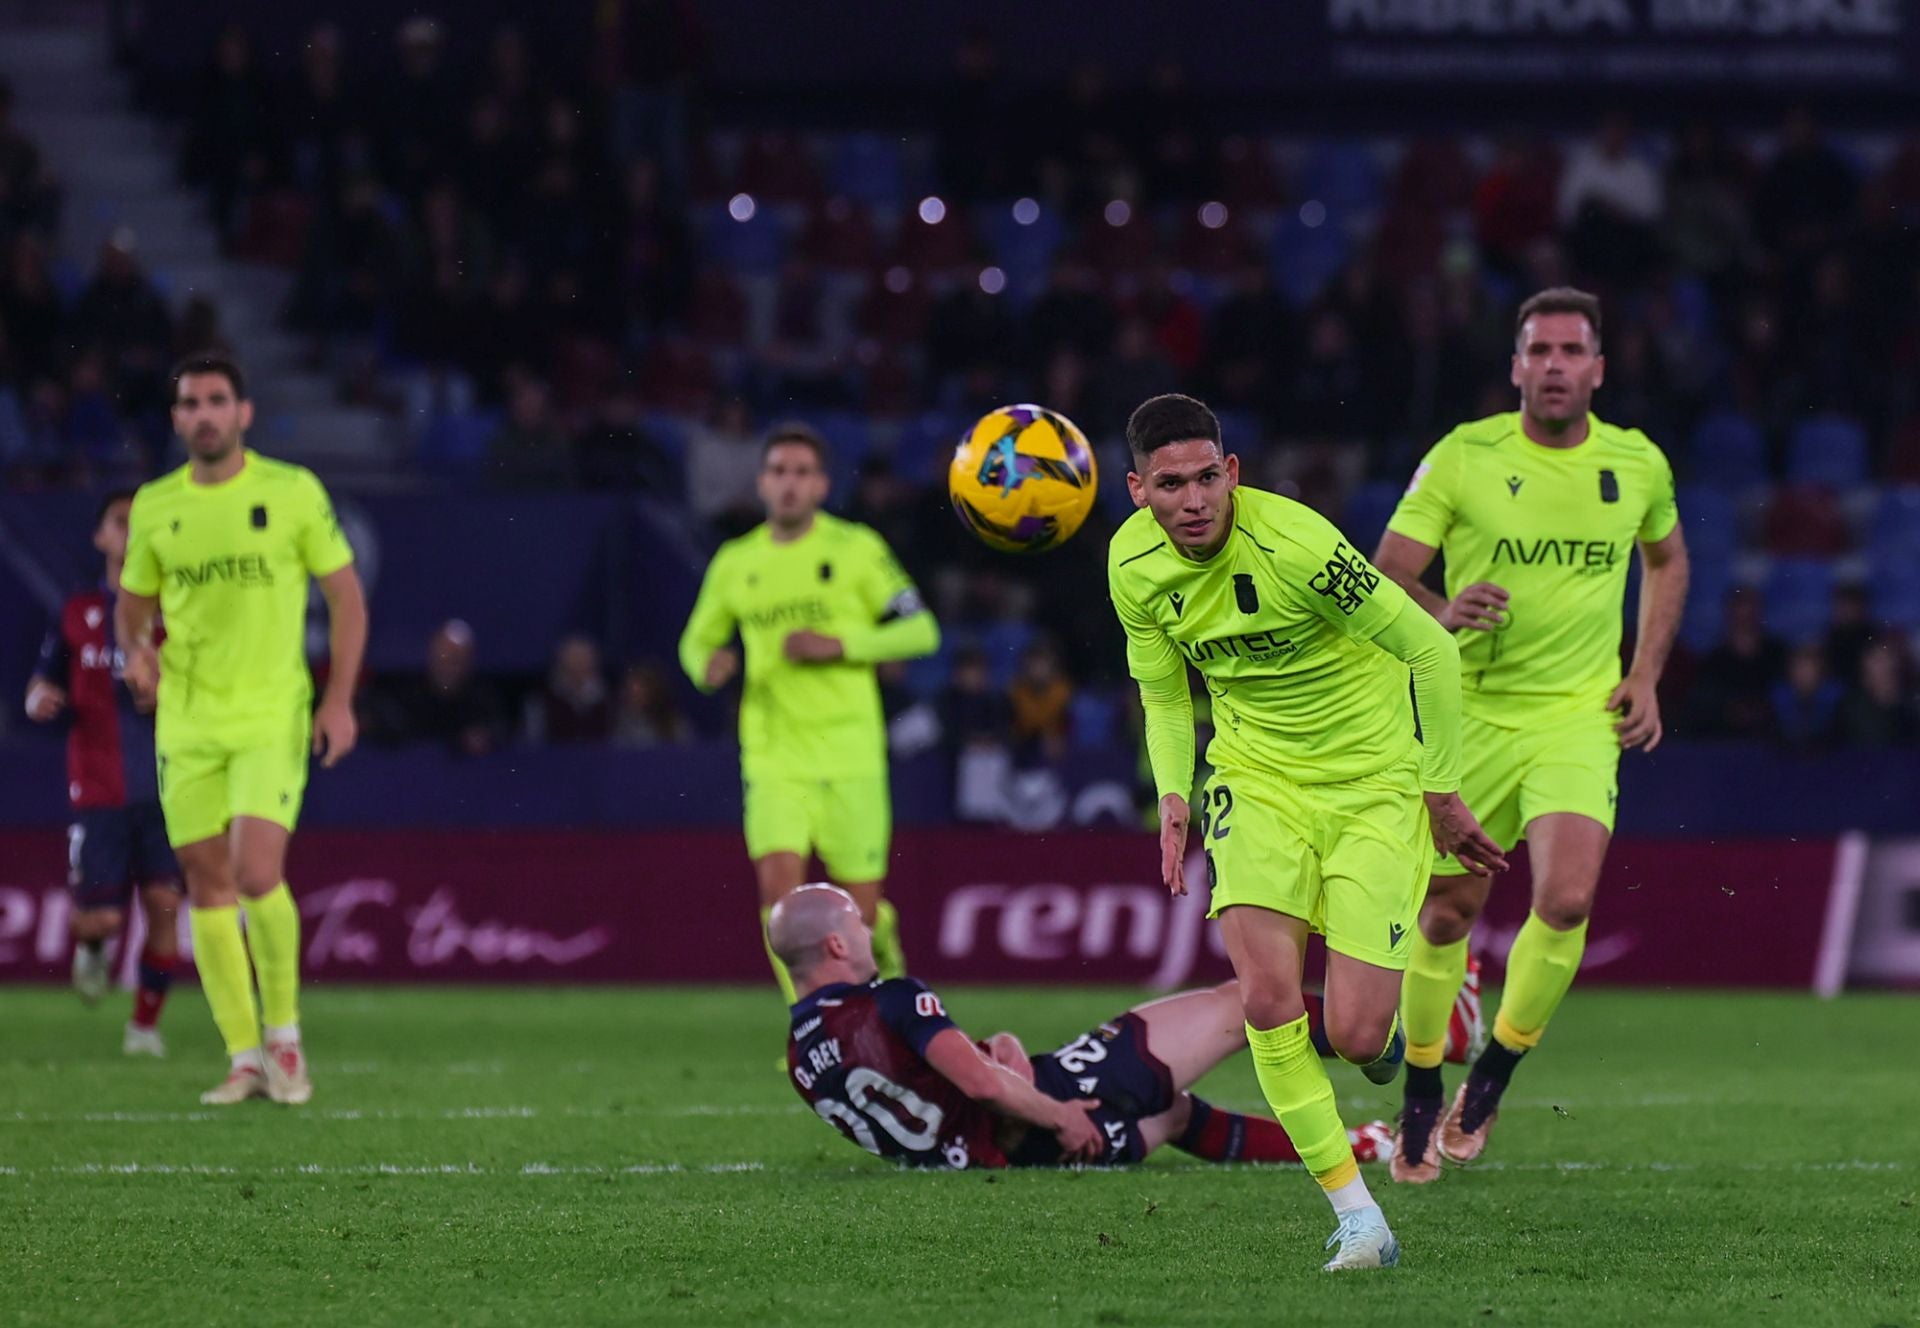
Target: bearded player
882, 1062
117, 844
224, 546
1537, 513
817, 602
1326, 801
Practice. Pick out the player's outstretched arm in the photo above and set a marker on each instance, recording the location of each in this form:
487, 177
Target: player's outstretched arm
999, 1089
903, 627
335, 730
1663, 602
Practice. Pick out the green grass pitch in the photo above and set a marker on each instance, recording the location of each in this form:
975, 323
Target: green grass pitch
631, 1157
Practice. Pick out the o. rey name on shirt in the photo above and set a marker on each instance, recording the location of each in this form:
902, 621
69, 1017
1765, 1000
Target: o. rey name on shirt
236, 569
1584, 555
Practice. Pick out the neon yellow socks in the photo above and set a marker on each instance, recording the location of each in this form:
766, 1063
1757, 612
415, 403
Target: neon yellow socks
1540, 968
1433, 978
780, 974
1297, 1088
273, 934
220, 955
887, 950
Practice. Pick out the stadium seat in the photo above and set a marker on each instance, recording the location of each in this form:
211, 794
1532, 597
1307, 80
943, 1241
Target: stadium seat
1806, 520
1712, 522
867, 167
1025, 253
1728, 452
1095, 719
1895, 531
1798, 598
1706, 613
1345, 177
15, 441
926, 445
1305, 258
1829, 450
455, 443
1247, 174
1894, 589
1368, 510
755, 245
1002, 643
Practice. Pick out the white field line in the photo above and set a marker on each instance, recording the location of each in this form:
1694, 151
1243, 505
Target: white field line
542, 1169
381, 1114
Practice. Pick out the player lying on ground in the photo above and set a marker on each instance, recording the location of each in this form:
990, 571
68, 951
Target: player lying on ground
883, 1063
117, 844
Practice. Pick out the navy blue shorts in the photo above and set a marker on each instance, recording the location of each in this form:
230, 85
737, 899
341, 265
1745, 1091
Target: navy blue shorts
112, 850
1110, 1063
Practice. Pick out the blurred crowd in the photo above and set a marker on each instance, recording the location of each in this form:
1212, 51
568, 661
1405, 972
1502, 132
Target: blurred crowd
589, 276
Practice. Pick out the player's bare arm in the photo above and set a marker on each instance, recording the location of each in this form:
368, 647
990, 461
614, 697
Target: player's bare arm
1174, 816
1481, 606
335, 731
1663, 599
133, 630
45, 700
1000, 1090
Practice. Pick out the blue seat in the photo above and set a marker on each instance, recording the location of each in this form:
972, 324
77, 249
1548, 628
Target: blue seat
926, 446
868, 168
1344, 176
1798, 598
755, 246
1095, 719
927, 675
670, 431
15, 441
1895, 593
1711, 520
1829, 450
1705, 619
849, 440
1728, 451
456, 443
1241, 431
1896, 526
1024, 253
1002, 643
1305, 258
1369, 508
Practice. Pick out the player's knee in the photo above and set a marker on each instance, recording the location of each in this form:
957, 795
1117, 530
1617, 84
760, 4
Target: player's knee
1270, 1004
1358, 1037
254, 880
1448, 915
1563, 911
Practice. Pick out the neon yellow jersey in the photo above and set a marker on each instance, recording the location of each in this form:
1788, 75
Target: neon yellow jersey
229, 564
1280, 622
1553, 526
809, 720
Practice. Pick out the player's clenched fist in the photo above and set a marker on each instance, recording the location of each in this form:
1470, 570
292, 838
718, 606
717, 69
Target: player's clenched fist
1080, 1139
1173, 843
1457, 834
143, 676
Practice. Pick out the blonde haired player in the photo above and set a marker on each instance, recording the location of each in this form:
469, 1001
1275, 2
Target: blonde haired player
1538, 513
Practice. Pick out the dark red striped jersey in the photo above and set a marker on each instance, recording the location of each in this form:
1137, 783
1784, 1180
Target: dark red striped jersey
109, 742
857, 1056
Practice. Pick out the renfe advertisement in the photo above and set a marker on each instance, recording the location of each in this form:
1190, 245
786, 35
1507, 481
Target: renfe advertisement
977, 906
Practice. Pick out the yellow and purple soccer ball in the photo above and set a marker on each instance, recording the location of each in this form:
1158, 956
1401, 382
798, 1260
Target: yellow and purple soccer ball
1023, 479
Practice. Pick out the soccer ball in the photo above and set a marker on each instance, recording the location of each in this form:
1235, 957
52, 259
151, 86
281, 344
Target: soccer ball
1022, 479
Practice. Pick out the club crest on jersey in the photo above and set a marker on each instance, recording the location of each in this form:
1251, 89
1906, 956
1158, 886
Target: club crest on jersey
1609, 487
1244, 593
1513, 486
259, 516
1347, 579
826, 571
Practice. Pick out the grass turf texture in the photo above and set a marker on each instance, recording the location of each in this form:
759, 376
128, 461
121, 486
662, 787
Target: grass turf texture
622, 1157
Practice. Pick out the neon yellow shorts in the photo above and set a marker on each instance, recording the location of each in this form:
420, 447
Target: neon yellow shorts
205, 784
1350, 858
848, 822
1510, 776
